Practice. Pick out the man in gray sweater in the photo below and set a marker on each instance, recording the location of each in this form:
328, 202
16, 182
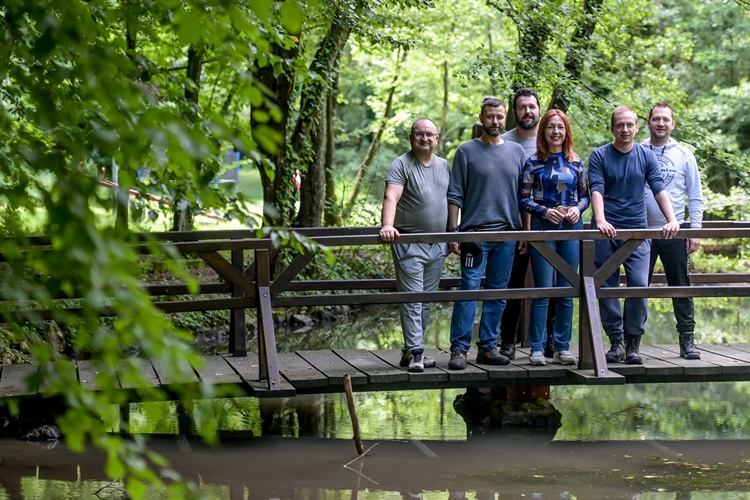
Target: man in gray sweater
484, 189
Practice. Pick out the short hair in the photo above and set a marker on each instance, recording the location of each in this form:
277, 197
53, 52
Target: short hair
492, 102
621, 109
660, 104
542, 147
524, 92
411, 130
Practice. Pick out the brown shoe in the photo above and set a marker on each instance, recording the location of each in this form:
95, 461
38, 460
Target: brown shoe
491, 357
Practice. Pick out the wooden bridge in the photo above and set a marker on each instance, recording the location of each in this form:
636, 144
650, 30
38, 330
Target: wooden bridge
273, 374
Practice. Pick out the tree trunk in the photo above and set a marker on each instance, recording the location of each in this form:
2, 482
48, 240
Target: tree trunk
375, 143
277, 175
131, 44
308, 139
442, 128
183, 212
533, 33
332, 212
312, 195
579, 45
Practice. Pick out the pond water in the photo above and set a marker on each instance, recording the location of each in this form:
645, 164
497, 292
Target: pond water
637, 441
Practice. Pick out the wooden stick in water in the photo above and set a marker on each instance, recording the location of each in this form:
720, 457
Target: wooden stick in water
353, 413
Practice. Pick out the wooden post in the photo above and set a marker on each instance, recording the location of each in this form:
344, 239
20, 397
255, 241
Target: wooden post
185, 421
592, 347
587, 269
269, 364
125, 418
353, 414
237, 322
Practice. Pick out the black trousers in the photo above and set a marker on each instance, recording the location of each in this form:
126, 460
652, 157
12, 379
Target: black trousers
511, 332
674, 258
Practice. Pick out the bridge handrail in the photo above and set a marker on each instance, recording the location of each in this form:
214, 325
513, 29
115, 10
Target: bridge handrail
254, 287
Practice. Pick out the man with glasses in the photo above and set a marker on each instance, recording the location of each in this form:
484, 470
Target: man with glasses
415, 202
484, 189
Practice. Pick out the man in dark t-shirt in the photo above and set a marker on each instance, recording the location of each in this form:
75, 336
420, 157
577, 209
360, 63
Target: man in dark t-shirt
618, 174
415, 202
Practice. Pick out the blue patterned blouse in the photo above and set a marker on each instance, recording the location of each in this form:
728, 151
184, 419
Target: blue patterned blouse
552, 183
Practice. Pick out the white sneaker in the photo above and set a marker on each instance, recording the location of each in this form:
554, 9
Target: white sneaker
564, 358
537, 358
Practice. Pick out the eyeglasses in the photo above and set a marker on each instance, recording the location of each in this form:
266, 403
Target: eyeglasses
423, 135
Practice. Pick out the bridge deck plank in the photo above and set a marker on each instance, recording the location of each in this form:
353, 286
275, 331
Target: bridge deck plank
311, 372
247, 367
729, 351
708, 364
87, 373
656, 366
13, 381
167, 376
333, 367
742, 346
300, 373
216, 371
144, 368
377, 370
63, 371
432, 375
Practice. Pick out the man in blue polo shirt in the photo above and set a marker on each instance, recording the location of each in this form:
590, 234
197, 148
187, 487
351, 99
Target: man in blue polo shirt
618, 174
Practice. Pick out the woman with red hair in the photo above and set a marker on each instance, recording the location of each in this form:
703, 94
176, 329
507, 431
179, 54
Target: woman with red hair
553, 189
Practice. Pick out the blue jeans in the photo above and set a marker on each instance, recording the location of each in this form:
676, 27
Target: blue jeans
545, 276
497, 258
631, 321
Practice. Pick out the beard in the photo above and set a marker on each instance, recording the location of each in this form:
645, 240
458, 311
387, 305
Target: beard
528, 125
492, 131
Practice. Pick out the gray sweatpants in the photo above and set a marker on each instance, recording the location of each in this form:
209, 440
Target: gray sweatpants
418, 269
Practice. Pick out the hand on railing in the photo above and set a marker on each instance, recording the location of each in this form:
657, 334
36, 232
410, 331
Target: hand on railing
388, 233
670, 230
606, 228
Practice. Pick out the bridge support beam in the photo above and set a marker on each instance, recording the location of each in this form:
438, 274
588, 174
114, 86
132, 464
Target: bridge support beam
237, 321
592, 348
269, 364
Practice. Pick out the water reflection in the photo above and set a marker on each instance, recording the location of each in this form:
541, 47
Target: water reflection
658, 441
516, 464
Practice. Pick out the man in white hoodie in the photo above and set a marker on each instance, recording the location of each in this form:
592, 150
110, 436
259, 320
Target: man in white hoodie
682, 182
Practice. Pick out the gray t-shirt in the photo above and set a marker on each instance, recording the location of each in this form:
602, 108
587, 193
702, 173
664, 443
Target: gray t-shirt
484, 185
423, 207
528, 145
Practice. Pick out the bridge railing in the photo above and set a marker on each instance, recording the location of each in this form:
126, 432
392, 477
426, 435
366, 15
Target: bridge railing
253, 286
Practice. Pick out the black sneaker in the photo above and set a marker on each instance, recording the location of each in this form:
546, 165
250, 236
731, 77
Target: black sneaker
406, 359
508, 349
457, 361
491, 357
